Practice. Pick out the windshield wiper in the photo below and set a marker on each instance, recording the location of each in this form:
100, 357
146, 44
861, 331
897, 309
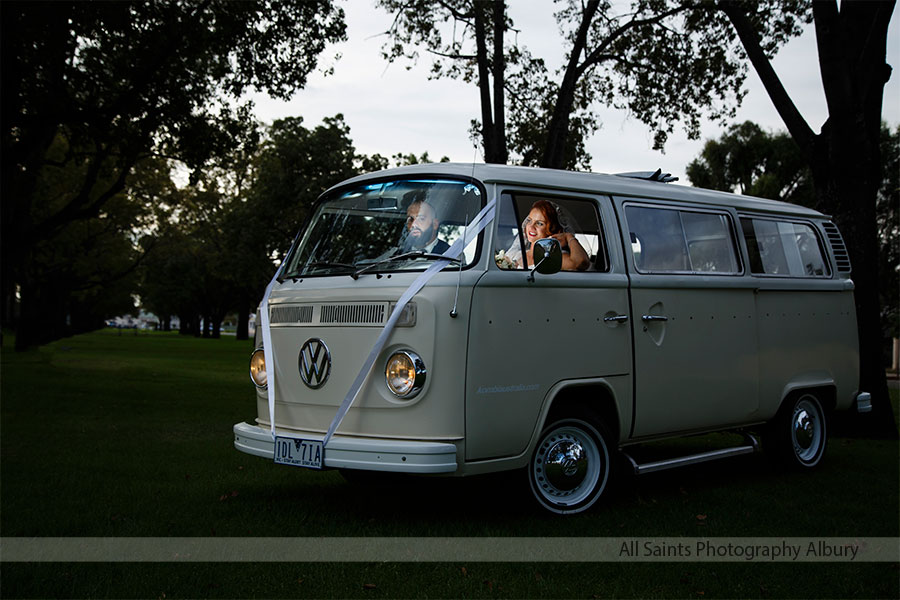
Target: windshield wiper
325, 263
405, 255
317, 264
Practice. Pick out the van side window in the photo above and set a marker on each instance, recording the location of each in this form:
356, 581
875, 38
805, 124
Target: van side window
666, 240
783, 248
573, 216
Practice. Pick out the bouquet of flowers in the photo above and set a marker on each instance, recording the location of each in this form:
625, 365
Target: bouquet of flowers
503, 261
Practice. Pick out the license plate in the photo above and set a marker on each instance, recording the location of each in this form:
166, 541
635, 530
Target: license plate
299, 453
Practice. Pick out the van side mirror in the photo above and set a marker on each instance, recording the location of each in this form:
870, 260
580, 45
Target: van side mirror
547, 255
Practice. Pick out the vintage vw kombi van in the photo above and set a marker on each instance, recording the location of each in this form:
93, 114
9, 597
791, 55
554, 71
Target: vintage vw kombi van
466, 318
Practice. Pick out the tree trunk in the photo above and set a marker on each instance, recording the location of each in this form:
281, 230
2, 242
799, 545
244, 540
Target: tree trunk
558, 131
845, 172
501, 153
852, 43
216, 324
484, 87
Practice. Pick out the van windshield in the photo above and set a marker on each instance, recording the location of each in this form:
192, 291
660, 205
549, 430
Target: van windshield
401, 224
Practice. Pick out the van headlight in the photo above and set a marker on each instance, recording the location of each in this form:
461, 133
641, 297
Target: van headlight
405, 374
258, 369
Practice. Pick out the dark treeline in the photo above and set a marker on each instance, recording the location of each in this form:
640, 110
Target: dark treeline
99, 102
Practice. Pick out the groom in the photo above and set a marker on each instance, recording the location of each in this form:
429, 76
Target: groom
422, 228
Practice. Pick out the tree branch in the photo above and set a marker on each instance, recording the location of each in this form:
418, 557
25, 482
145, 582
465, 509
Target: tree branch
797, 126
79, 207
452, 56
597, 55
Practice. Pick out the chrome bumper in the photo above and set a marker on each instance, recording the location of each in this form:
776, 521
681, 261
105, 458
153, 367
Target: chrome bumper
367, 454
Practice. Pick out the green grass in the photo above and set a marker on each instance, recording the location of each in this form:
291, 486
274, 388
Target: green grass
109, 435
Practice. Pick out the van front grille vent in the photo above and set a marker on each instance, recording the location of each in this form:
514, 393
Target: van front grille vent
291, 314
367, 314
353, 314
838, 247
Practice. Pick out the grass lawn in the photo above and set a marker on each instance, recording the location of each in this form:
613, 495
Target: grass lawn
130, 436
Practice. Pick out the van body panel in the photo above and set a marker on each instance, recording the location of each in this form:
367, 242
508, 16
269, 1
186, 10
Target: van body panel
803, 342
530, 337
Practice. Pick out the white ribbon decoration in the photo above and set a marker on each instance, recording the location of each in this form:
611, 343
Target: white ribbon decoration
268, 355
478, 224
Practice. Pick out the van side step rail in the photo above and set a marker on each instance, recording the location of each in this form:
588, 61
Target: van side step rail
750, 447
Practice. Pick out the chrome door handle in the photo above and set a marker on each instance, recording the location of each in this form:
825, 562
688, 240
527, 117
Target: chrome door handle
648, 318
615, 319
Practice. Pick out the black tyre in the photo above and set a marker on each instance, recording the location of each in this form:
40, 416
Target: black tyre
570, 467
799, 433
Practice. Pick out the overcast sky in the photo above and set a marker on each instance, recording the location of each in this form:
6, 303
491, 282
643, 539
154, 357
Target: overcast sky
390, 109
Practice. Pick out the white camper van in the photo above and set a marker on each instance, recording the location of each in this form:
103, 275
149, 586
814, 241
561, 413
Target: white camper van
466, 318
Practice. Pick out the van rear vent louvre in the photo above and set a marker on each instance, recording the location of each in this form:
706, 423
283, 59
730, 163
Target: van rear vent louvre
291, 314
838, 247
352, 313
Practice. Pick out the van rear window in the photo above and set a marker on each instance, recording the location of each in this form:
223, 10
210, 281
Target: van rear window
783, 248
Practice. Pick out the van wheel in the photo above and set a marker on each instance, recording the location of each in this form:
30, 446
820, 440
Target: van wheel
570, 467
799, 433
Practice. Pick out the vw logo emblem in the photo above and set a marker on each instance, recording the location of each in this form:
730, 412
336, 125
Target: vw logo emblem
314, 363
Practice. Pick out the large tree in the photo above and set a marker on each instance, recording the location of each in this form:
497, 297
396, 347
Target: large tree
845, 155
120, 81
86, 272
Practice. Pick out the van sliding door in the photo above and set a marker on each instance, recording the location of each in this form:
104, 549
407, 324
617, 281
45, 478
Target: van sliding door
695, 338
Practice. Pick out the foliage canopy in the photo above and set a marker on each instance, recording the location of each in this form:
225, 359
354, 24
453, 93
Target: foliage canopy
115, 83
663, 61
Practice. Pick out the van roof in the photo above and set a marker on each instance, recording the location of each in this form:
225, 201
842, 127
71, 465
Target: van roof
576, 181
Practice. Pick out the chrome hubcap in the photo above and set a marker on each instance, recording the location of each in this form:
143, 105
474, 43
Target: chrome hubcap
565, 464
803, 430
806, 430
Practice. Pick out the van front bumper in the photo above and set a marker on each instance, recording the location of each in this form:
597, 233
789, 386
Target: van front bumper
368, 454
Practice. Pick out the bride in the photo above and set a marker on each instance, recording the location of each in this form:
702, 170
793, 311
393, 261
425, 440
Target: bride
543, 222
